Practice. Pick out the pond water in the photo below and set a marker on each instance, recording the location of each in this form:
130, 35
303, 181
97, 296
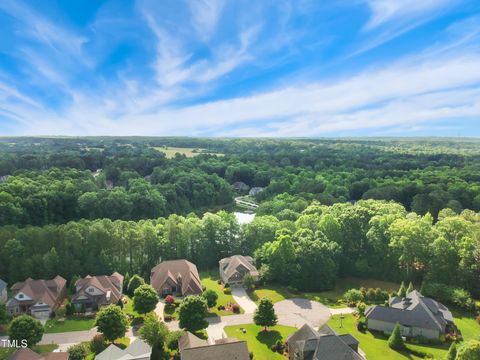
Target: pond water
244, 218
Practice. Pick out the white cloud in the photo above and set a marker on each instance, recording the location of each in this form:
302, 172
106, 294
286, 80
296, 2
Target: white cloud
205, 15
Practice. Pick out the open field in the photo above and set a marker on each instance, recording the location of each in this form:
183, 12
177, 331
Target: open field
259, 342
188, 152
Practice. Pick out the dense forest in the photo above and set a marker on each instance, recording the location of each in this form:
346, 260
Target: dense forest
389, 209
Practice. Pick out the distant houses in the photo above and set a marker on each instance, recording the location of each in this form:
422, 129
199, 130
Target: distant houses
137, 350
3, 292
39, 298
28, 354
234, 268
325, 344
177, 277
416, 314
193, 348
94, 292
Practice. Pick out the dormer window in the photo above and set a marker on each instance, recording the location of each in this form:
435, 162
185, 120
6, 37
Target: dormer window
20, 296
90, 290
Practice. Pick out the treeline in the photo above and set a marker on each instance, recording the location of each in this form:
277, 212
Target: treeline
308, 249
424, 175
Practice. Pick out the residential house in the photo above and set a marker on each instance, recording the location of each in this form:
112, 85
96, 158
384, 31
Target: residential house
3, 292
234, 268
97, 291
38, 298
28, 354
178, 277
193, 348
255, 190
416, 314
325, 344
137, 350
240, 187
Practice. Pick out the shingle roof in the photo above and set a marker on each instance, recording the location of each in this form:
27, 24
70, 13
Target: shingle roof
44, 291
136, 350
193, 348
413, 310
173, 270
112, 283
324, 344
3, 285
24, 354
233, 262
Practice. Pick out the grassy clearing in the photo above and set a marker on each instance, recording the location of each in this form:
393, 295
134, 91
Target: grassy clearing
188, 152
128, 308
259, 342
275, 293
73, 323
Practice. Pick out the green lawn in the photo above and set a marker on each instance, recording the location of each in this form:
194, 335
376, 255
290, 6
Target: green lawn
376, 347
467, 325
171, 310
209, 280
72, 323
331, 298
260, 342
128, 308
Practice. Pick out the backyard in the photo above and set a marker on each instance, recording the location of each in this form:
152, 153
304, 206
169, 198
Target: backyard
260, 342
376, 348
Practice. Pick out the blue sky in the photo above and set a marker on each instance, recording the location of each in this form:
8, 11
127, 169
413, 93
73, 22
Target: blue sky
240, 68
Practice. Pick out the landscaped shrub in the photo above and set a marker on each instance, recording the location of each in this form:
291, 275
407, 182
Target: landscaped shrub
395, 340
361, 307
227, 285
227, 291
169, 300
279, 347
172, 339
446, 294
236, 308
177, 303
98, 344
221, 307
352, 297
463, 299
168, 318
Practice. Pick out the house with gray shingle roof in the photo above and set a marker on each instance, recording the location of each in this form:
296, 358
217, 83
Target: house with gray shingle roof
38, 298
97, 291
192, 347
3, 292
234, 268
176, 277
325, 344
137, 350
416, 314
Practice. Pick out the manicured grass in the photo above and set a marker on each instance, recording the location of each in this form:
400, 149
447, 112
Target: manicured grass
73, 323
467, 325
209, 280
128, 308
275, 293
376, 347
171, 310
259, 342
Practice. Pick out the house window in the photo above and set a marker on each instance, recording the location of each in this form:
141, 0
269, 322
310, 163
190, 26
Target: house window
90, 290
20, 296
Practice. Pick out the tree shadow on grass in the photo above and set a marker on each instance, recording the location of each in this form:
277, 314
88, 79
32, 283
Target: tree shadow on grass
269, 338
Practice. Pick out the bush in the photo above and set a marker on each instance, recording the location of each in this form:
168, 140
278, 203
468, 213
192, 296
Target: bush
98, 344
352, 297
177, 303
227, 291
236, 308
69, 309
361, 307
77, 352
172, 340
168, 318
211, 297
463, 299
227, 285
169, 300
279, 347
447, 294
221, 307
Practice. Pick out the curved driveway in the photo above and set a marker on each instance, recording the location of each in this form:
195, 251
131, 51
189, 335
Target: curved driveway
297, 312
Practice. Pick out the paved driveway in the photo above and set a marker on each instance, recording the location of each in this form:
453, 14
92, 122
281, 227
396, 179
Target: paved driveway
240, 296
297, 312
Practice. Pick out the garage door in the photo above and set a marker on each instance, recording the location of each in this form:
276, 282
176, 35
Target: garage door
41, 314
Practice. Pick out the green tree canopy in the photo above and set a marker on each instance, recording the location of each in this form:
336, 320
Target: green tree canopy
145, 299
112, 322
26, 328
192, 313
265, 314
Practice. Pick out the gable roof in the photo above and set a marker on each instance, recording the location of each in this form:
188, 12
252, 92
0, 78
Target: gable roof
173, 270
324, 344
106, 284
193, 348
232, 263
28, 354
41, 291
138, 349
3, 285
413, 310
